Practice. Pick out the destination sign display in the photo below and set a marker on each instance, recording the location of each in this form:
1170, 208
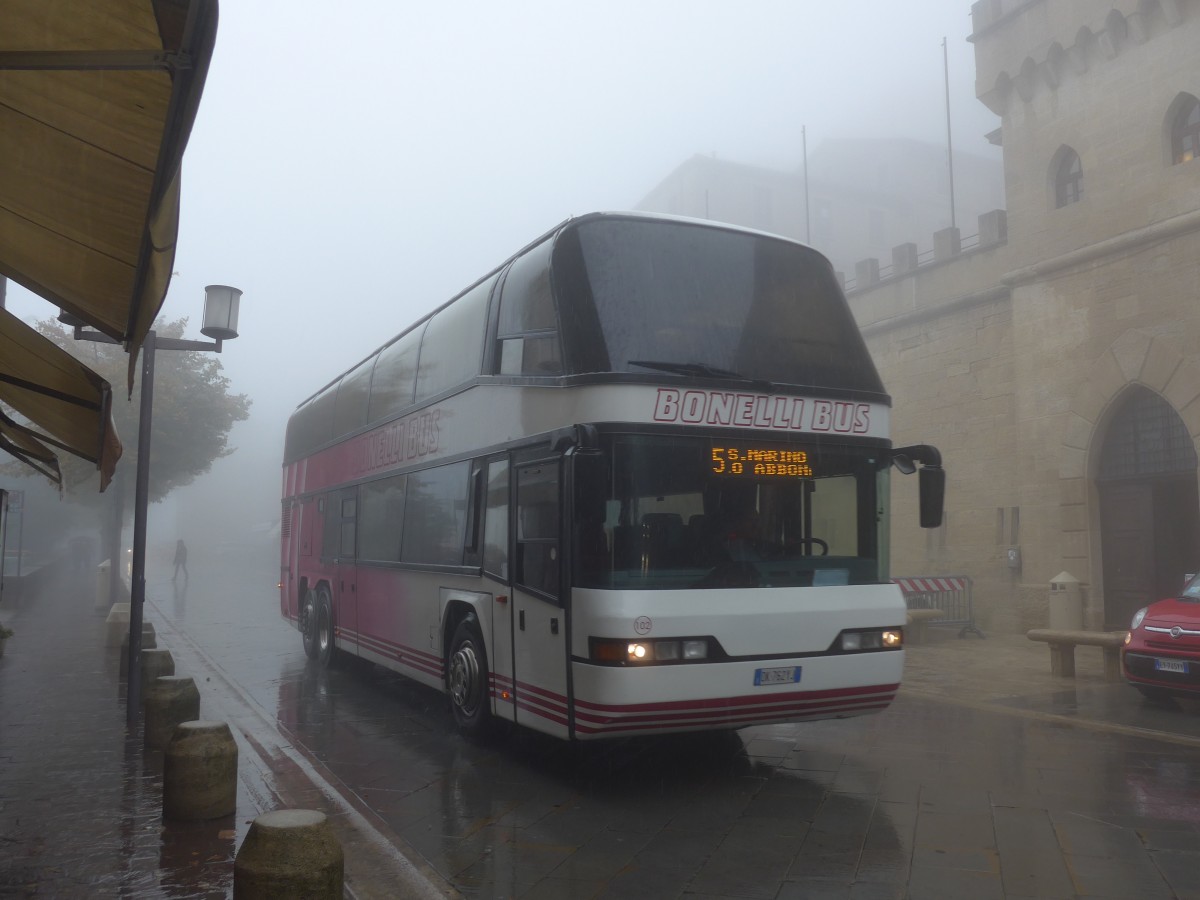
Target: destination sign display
749, 460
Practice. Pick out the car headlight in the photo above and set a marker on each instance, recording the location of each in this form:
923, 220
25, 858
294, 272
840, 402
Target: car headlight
1138, 617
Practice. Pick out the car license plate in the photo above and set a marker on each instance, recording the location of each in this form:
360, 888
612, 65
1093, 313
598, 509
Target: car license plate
1171, 665
780, 675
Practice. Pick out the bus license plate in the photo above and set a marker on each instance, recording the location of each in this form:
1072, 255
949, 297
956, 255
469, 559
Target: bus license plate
781, 675
1171, 665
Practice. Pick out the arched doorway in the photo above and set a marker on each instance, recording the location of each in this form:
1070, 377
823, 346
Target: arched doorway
1149, 518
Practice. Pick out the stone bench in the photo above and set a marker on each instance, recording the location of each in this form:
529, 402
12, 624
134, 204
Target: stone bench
917, 620
1062, 649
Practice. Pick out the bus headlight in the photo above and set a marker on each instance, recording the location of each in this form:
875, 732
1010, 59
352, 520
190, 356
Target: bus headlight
870, 639
668, 650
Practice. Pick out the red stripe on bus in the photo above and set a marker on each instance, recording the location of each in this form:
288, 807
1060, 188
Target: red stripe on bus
702, 713
740, 721
743, 700
734, 712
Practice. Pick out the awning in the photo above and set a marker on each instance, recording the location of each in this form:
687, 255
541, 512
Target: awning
69, 403
97, 100
19, 441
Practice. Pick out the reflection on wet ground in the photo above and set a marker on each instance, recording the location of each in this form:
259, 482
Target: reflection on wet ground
80, 796
984, 788
1117, 704
927, 800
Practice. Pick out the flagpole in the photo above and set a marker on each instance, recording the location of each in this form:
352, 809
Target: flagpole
949, 143
807, 220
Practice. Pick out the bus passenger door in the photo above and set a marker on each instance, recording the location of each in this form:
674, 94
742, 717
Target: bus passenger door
497, 580
345, 577
539, 624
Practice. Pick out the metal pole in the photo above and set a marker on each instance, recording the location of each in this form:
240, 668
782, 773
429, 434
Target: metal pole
20, 534
807, 226
137, 589
949, 144
115, 526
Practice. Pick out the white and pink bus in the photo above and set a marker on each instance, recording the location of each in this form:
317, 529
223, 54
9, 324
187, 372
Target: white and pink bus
635, 480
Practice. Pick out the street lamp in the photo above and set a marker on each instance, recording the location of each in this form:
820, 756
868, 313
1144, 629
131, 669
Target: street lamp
221, 304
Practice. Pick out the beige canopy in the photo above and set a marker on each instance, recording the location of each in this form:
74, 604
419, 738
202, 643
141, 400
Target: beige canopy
97, 100
70, 403
22, 443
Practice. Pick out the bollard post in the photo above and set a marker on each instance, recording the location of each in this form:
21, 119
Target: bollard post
156, 662
200, 772
289, 853
170, 701
117, 623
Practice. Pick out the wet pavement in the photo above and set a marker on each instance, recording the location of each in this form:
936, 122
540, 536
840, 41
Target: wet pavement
81, 797
987, 778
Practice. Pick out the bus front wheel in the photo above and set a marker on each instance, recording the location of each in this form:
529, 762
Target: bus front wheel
324, 630
308, 624
467, 679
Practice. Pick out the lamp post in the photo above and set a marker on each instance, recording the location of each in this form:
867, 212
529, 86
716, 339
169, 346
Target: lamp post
221, 307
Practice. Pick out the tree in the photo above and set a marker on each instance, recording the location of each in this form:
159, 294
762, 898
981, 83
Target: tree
193, 413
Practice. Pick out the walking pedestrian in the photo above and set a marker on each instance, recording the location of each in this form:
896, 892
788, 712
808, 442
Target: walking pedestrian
180, 559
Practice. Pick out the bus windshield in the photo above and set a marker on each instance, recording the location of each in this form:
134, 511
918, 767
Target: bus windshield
699, 300
674, 512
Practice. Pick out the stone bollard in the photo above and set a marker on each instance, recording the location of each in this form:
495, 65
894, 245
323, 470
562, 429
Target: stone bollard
200, 772
117, 623
289, 853
170, 701
155, 663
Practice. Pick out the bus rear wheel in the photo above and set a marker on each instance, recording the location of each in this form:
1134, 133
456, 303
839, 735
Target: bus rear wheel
308, 624
467, 679
323, 630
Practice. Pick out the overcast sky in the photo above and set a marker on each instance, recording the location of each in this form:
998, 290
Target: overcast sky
354, 165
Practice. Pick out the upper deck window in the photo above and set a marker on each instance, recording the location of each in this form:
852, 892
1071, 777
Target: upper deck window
350, 408
395, 375
527, 333
311, 426
634, 291
453, 343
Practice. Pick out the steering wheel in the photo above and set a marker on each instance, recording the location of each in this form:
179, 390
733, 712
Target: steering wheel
817, 542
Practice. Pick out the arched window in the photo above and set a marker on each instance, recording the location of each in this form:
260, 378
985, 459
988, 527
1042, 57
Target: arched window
1185, 131
1146, 438
1068, 178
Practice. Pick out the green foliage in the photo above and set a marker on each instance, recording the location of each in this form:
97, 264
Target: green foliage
193, 412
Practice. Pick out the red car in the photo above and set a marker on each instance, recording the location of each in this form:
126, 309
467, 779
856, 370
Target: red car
1161, 655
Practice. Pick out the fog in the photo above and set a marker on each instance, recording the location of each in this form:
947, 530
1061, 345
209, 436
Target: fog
353, 166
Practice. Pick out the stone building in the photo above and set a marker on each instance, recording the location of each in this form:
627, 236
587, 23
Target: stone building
1055, 360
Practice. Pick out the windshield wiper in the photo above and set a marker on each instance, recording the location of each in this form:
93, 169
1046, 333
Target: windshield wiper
702, 370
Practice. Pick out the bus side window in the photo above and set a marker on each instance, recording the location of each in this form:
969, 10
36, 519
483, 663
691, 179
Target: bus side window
332, 527
495, 523
348, 525
537, 528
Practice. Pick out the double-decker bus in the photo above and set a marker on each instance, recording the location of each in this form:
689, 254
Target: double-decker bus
634, 480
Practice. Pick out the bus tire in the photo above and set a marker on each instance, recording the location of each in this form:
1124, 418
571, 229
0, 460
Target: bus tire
308, 624
467, 679
323, 636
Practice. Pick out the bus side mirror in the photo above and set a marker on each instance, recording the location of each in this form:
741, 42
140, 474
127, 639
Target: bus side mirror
932, 487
